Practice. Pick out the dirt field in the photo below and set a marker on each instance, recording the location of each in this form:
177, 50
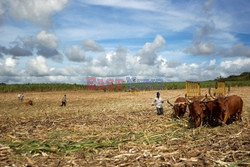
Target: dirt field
114, 129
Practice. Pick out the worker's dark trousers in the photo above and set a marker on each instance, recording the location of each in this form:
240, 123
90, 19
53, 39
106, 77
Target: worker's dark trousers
63, 103
159, 111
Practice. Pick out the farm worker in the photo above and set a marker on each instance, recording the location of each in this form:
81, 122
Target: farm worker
158, 103
63, 101
20, 97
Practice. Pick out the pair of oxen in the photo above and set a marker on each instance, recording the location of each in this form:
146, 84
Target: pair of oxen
205, 110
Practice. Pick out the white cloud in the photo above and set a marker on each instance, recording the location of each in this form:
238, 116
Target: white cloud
42, 44
10, 62
212, 62
235, 66
91, 45
204, 31
119, 57
58, 79
177, 54
201, 48
132, 4
37, 67
237, 50
37, 11
200, 44
8, 69
148, 54
113, 63
46, 39
119, 64
75, 53
118, 61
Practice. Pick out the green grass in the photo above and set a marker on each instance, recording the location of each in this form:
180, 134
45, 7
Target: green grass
74, 87
40, 87
34, 146
56, 143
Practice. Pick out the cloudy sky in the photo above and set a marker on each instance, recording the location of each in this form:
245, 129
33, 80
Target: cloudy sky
43, 41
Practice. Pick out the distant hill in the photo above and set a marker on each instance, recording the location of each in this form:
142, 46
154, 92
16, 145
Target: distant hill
245, 76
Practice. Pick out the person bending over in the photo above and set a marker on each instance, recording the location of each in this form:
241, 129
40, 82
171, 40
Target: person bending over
63, 101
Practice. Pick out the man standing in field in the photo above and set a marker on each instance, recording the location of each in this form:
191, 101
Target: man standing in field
158, 103
63, 101
20, 97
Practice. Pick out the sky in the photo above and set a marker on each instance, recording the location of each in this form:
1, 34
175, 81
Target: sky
65, 41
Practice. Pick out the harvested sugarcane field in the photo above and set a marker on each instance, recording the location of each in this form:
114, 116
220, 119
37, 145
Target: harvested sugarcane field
117, 83
98, 128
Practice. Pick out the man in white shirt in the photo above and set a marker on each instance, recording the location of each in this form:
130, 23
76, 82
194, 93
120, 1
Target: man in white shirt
157, 101
20, 97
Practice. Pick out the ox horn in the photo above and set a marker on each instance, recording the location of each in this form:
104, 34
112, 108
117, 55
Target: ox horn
188, 101
170, 103
204, 98
209, 91
201, 122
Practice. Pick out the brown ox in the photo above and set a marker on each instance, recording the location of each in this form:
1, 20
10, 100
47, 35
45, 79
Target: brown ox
197, 114
230, 106
179, 107
30, 102
206, 111
212, 111
227, 108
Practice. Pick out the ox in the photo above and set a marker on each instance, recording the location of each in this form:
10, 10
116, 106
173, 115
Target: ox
230, 107
30, 102
179, 107
207, 108
197, 114
219, 109
205, 111
212, 111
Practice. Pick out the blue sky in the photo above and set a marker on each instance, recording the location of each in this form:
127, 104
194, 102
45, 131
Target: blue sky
45, 41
